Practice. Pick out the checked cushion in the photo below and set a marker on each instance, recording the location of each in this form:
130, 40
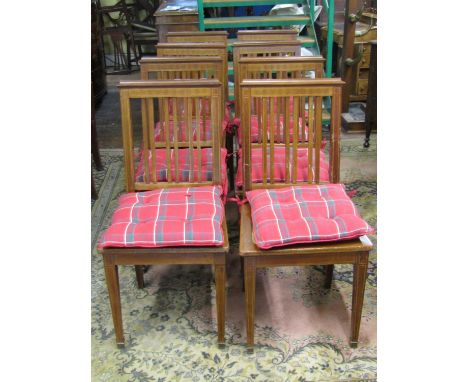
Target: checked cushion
184, 168
185, 216
304, 214
279, 165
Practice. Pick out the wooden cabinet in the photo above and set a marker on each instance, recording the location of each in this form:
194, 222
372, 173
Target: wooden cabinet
364, 34
362, 72
176, 16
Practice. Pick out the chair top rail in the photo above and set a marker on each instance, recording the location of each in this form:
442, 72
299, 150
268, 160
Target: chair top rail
282, 59
197, 33
179, 59
160, 84
191, 45
242, 44
293, 82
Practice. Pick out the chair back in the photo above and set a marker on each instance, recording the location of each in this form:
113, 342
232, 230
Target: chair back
198, 49
185, 68
194, 68
210, 37
267, 35
280, 68
270, 101
259, 49
185, 137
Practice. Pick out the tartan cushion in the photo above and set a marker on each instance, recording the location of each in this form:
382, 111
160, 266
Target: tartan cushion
185, 216
184, 166
279, 165
304, 214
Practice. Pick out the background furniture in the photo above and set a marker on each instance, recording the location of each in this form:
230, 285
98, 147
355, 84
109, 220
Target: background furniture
94, 143
365, 33
127, 26
98, 71
309, 39
176, 16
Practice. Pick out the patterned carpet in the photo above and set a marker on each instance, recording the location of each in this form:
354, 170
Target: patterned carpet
301, 329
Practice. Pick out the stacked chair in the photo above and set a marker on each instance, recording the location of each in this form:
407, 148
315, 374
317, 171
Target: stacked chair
175, 213
270, 68
300, 217
293, 210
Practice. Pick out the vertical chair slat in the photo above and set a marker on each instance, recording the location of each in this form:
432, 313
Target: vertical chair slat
310, 126
145, 121
168, 138
150, 119
190, 137
144, 125
335, 119
246, 121
199, 138
272, 139
257, 113
203, 111
161, 102
302, 114
295, 135
215, 118
286, 137
127, 137
265, 138
279, 107
176, 137
318, 136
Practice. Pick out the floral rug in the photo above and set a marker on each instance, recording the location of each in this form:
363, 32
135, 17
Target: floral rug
301, 331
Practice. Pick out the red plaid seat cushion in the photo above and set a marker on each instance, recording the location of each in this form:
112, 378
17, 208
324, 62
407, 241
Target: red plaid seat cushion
186, 216
304, 214
184, 166
280, 168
